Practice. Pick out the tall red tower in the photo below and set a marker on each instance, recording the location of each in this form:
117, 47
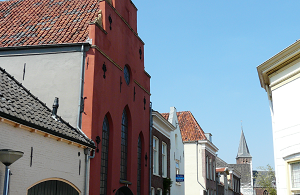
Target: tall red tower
117, 98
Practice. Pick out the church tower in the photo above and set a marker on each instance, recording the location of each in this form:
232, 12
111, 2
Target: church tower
244, 166
243, 155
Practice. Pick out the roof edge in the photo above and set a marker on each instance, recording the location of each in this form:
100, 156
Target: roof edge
34, 126
42, 46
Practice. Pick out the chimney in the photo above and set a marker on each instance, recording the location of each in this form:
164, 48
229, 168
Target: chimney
208, 137
55, 107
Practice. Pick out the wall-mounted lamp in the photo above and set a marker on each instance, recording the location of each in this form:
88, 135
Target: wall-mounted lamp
8, 157
98, 142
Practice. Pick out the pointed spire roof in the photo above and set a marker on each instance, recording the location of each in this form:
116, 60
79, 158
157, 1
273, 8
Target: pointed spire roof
243, 148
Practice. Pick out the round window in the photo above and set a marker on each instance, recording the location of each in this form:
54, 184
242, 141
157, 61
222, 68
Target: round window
126, 75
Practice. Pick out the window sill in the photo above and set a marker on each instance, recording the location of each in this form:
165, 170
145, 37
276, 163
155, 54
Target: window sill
125, 182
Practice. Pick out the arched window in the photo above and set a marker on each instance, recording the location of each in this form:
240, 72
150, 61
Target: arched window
124, 135
139, 167
53, 186
104, 156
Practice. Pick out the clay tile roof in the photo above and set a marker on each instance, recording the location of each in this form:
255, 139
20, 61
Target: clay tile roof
19, 105
218, 170
36, 22
189, 127
165, 115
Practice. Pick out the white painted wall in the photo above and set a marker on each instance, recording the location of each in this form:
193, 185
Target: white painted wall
51, 158
49, 75
176, 154
192, 187
286, 125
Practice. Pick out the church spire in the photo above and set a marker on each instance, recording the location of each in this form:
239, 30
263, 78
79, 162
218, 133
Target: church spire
243, 151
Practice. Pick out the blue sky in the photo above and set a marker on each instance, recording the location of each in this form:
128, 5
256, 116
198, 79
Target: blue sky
202, 56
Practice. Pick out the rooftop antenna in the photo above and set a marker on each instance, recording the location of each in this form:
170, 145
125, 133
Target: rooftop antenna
242, 125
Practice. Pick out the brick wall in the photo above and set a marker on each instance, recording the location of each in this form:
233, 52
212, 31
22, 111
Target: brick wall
157, 180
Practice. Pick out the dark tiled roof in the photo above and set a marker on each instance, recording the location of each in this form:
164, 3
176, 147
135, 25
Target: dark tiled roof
189, 127
19, 105
245, 171
36, 22
220, 162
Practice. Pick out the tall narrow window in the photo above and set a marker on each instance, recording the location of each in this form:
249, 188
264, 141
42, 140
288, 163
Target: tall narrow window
210, 169
295, 175
139, 168
164, 159
155, 155
177, 170
123, 170
214, 171
207, 169
104, 157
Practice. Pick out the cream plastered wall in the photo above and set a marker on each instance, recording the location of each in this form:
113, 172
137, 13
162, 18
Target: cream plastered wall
285, 121
49, 75
50, 159
176, 154
192, 187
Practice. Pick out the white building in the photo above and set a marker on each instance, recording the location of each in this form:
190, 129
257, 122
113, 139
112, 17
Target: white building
176, 153
199, 157
279, 76
56, 155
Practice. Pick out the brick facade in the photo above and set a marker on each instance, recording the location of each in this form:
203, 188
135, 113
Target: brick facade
157, 180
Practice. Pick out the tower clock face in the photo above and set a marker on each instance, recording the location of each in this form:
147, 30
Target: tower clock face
126, 75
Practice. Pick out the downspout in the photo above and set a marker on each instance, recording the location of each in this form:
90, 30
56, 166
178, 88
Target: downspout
86, 177
150, 154
197, 169
81, 99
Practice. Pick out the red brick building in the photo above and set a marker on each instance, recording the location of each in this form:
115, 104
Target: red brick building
87, 53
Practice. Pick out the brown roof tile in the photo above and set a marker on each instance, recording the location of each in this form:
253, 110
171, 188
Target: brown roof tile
165, 115
189, 127
35, 22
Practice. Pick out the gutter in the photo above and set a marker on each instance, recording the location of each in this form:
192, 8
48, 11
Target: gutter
150, 149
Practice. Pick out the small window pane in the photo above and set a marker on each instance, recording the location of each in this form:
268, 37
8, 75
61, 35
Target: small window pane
295, 169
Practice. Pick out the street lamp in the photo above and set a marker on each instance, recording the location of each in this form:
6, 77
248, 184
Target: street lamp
8, 157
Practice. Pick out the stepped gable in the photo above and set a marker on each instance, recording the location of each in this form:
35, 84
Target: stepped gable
243, 150
19, 105
36, 22
189, 127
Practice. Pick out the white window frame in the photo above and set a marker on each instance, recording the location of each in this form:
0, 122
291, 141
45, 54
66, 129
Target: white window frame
152, 191
159, 191
164, 159
155, 156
